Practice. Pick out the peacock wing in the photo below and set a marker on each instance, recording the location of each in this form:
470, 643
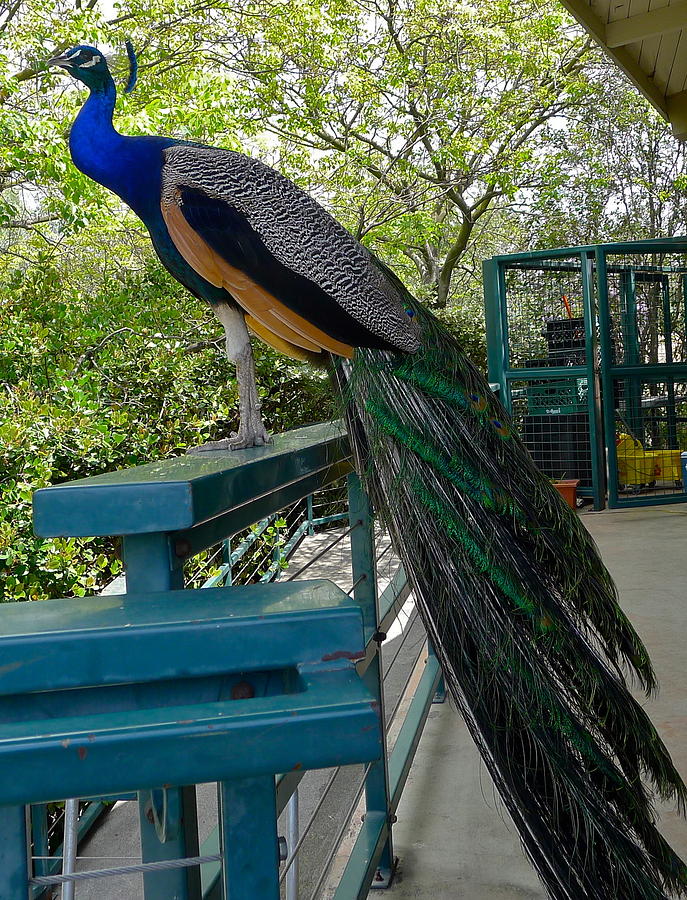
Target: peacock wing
292, 267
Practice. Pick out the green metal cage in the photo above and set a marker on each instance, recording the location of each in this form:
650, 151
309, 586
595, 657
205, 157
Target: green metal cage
587, 348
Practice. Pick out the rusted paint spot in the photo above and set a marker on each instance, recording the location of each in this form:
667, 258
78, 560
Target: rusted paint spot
83, 753
297, 767
10, 667
244, 690
184, 721
343, 654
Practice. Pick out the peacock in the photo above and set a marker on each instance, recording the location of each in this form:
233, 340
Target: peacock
534, 647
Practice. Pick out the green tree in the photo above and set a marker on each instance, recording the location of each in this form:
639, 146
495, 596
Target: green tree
616, 172
414, 118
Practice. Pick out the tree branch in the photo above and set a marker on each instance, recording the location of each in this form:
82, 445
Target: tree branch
450, 260
31, 71
28, 224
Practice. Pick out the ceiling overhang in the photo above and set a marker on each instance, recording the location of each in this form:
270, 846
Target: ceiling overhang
648, 40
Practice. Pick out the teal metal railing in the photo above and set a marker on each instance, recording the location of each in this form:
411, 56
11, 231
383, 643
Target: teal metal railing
168, 512
312, 513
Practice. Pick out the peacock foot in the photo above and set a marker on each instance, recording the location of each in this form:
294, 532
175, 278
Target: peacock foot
241, 440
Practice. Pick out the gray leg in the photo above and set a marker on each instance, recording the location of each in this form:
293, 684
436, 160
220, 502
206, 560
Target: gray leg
251, 431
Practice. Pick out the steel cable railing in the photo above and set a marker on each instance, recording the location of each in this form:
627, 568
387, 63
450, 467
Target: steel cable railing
402, 692
344, 825
321, 553
404, 638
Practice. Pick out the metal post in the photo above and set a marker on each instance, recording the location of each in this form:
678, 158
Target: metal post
14, 855
277, 553
69, 843
363, 553
248, 839
671, 419
607, 376
226, 559
310, 515
377, 795
631, 357
152, 566
494, 310
594, 392
292, 835
440, 692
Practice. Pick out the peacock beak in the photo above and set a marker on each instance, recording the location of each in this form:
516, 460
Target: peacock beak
62, 61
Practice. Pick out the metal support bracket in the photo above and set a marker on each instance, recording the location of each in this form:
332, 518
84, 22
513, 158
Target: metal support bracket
162, 808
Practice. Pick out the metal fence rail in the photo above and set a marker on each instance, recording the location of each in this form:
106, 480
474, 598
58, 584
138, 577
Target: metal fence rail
170, 512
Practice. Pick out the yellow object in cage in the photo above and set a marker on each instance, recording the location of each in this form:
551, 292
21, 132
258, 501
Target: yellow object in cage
639, 466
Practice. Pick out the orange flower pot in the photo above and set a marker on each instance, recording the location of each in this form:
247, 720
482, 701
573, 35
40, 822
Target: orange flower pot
568, 490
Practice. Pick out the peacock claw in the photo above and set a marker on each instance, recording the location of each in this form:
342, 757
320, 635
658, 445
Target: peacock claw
240, 440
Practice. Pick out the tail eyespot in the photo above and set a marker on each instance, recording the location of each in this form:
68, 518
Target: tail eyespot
501, 428
477, 402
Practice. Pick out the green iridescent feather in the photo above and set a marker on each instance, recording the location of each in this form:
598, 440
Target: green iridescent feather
524, 618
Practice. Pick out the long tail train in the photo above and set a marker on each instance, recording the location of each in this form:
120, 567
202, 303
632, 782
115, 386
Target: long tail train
524, 619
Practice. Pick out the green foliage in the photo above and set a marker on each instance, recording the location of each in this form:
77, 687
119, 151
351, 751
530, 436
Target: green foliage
132, 372
615, 172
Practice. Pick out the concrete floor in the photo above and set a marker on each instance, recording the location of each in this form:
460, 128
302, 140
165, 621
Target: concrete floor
453, 836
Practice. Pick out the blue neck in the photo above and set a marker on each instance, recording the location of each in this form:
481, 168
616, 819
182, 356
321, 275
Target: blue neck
132, 168
93, 138
125, 165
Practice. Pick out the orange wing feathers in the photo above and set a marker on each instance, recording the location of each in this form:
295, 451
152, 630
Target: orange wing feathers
269, 319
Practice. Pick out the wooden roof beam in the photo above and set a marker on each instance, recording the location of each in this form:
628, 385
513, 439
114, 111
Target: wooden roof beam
646, 25
589, 20
677, 111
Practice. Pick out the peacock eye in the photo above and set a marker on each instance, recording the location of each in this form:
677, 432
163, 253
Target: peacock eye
89, 63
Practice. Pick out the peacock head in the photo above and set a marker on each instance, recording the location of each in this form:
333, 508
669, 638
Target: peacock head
88, 64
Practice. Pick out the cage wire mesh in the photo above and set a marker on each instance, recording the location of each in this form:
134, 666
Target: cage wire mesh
646, 301
546, 328
651, 432
648, 312
552, 418
545, 314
